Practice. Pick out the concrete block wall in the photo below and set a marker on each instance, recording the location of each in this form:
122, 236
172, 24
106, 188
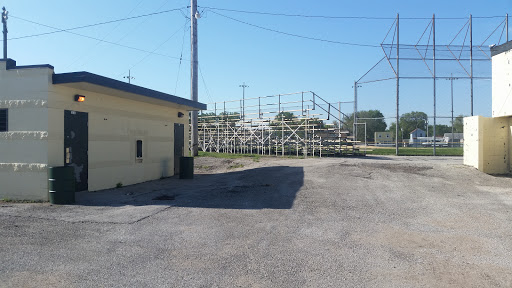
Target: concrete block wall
24, 156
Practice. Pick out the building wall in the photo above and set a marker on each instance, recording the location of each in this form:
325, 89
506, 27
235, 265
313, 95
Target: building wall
24, 147
385, 137
115, 124
502, 84
486, 144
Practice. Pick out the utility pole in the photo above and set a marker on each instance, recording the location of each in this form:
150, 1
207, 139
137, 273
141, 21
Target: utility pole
4, 22
243, 99
194, 15
129, 77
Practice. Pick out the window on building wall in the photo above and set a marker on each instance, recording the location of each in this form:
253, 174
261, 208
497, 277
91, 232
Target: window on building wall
3, 120
380, 136
387, 135
139, 149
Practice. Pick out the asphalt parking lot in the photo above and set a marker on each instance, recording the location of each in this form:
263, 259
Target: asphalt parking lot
330, 222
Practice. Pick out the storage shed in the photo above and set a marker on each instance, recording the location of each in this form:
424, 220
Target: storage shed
110, 131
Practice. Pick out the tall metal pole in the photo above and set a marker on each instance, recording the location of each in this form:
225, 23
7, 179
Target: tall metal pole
243, 99
194, 73
506, 24
434, 70
355, 112
471, 57
397, 126
4, 22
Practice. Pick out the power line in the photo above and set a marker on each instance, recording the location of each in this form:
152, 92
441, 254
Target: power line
89, 51
105, 41
86, 26
342, 17
181, 57
158, 47
204, 83
298, 36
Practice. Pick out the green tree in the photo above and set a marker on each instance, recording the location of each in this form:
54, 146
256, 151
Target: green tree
458, 124
441, 129
392, 129
231, 116
412, 120
374, 120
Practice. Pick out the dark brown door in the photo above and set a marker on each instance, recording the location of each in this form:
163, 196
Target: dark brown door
179, 145
76, 146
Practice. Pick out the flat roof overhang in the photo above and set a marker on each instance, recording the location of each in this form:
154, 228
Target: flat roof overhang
99, 84
495, 50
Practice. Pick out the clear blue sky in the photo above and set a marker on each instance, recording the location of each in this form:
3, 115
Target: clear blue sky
231, 52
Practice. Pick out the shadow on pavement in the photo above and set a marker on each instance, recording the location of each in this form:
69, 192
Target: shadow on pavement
259, 188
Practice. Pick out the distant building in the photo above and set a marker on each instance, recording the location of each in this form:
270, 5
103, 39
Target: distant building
384, 138
454, 139
416, 137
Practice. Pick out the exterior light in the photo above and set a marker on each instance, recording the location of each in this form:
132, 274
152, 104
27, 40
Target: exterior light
79, 98
180, 115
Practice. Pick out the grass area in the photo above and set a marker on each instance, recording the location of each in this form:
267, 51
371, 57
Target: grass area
236, 166
404, 151
255, 157
410, 151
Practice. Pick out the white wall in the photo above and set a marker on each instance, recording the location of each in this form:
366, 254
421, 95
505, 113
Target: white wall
502, 84
24, 157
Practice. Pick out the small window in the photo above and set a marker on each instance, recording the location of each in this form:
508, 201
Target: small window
139, 149
387, 135
380, 136
3, 120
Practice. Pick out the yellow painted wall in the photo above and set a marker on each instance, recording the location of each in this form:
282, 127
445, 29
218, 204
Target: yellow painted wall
24, 157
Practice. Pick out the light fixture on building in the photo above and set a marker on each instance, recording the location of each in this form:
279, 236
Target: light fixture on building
79, 98
180, 114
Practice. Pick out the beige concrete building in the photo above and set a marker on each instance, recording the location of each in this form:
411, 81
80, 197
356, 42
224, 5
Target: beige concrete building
119, 133
487, 141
